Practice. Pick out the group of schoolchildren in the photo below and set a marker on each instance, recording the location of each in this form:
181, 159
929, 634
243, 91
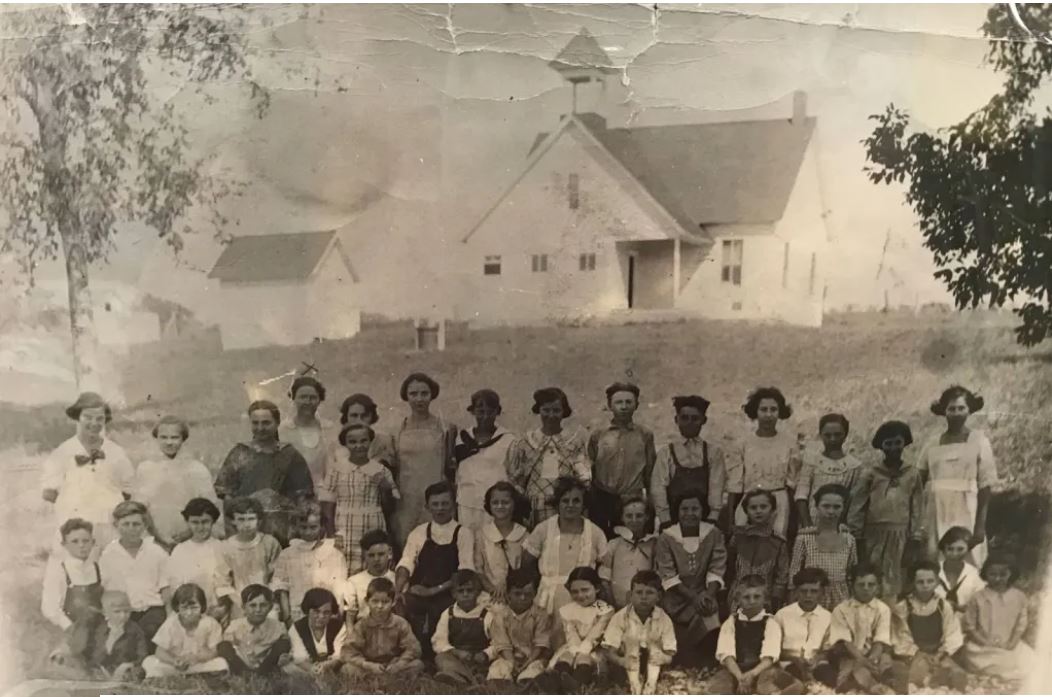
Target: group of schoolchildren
852, 602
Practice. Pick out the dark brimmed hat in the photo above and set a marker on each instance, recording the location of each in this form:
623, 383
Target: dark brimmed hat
88, 400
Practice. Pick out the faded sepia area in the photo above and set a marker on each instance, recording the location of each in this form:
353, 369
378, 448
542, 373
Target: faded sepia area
507, 197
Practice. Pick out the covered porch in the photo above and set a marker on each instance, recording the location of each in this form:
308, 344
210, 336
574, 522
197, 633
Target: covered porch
654, 272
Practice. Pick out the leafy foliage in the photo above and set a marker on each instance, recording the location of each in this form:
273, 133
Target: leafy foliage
94, 144
982, 188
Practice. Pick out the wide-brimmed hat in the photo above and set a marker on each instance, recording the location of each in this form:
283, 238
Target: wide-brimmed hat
88, 400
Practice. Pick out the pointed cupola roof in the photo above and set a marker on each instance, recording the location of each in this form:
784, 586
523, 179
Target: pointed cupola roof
582, 54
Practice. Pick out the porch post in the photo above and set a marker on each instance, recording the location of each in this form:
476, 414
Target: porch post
675, 271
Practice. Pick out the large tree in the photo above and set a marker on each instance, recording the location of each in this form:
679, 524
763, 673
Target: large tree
95, 141
982, 188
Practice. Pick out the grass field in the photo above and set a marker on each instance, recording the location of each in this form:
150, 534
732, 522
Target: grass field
871, 367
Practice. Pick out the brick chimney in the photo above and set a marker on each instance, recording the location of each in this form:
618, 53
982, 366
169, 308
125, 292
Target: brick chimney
799, 108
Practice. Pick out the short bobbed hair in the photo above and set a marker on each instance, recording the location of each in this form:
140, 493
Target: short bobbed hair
890, 429
686, 495
832, 489
551, 394
974, 401
752, 404
188, 592
363, 400
834, 418
563, 486
956, 534
317, 598
200, 506
403, 391
584, 573
520, 504
1000, 559
347, 429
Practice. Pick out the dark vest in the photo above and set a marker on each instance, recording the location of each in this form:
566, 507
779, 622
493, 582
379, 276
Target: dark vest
332, 629
748, 642
683, 479
436, 563
926, 630
82, 602
468, 634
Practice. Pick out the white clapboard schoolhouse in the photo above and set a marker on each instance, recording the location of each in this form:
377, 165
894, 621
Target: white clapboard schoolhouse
720, 220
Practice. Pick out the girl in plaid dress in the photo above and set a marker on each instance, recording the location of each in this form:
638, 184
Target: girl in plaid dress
543, 455
827, 547
757, 550
352, 491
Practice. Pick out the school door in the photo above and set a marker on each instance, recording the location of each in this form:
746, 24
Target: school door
648, 275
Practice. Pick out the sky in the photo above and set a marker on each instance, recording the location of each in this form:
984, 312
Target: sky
409, 121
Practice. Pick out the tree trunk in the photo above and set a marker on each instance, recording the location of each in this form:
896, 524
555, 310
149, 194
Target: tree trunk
81, 316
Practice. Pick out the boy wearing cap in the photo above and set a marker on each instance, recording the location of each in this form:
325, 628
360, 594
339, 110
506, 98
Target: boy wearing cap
88, 475
688, 462
622, 456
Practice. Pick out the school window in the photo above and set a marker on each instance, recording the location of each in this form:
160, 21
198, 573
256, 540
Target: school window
491, 266
540, 263
587, 262
731, 267
573, 190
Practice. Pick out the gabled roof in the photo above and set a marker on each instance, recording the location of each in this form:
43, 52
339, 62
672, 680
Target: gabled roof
706, 174
283, 257
699, 174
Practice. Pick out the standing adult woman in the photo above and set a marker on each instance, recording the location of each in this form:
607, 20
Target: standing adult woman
560, 544
539, 458
959, 468
267, 469
305, 431
767, 459
88, 475
480, 455
424, 444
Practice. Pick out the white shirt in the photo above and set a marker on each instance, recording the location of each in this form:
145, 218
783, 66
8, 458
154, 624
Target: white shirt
201, 563
969, 584
321, 647
304, 565
166, 486
804, 634
440, 641
195, 645
627, 630
772, 637
89, 491
441, 535
142, 577
53, 596
354, 590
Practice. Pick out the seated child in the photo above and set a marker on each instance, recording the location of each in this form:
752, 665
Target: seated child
521, 632
137, 565
99, 648
308, 562
164, 484
925, 635
381, 643
958, 580
640, 637
200, 560
994, 622
72, 583
433, 553
581, 626
805, 628
749, 646
860, 635
462, 638
257, 642
187, 641
691, 559
250, 554
755, 548
628, 553
318, 636
377, 554
499, 540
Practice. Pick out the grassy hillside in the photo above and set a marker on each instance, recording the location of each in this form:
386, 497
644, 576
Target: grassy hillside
870, 367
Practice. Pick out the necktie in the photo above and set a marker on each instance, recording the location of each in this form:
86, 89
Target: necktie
89, 459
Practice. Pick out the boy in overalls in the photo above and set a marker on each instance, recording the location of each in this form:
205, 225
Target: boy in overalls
433, 553
462, 638
688, 462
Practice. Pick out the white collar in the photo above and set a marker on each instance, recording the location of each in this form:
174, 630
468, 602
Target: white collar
304, 546
762, 614
450, 526
676, 531
626, 534
492, 534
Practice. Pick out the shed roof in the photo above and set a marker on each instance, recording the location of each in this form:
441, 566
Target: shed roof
279, 257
